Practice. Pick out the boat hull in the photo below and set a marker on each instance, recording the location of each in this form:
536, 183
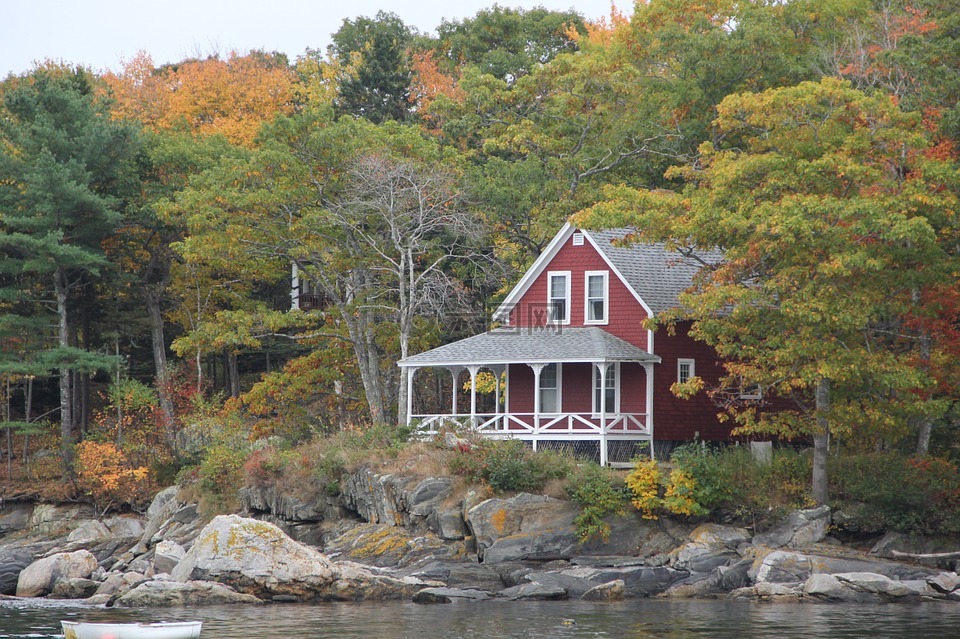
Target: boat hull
162, 630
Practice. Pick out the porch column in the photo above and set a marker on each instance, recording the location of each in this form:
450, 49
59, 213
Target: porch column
497, 372
474, 369
411, 371
602, 368
294, 287
537, 368
648, 373
455, 372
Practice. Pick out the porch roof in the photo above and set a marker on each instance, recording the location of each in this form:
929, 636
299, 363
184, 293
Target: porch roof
533, 346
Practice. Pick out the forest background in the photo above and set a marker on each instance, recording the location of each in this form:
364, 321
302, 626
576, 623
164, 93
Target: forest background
154, 221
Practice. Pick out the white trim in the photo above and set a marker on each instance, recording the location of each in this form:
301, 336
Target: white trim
567, 297
757, 394
610, 410
509, 303
693, 368
617, 272
586, 298
559, 406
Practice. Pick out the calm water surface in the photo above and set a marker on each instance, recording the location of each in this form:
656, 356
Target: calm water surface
634, 619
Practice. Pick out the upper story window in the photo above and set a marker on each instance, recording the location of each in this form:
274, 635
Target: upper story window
596, 304
685, 370
558, 297
750, 391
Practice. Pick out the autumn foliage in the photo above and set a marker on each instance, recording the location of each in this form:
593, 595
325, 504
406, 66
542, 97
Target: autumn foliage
106, 476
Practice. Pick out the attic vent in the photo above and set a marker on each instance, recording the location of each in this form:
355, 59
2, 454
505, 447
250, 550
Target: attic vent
578, 239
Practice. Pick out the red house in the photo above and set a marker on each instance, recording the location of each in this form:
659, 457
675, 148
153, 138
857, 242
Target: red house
577, 366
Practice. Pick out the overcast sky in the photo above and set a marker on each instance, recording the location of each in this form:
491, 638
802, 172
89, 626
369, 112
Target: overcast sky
102, 34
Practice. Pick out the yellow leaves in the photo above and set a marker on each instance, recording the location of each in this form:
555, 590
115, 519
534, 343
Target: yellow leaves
104, 473
644, 483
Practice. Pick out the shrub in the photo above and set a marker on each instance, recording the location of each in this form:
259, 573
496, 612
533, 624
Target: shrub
601, 493
221, 474
882, 491
508, 465
644, 485
104, 473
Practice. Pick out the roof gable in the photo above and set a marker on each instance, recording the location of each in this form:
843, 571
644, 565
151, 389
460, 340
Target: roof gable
653, 275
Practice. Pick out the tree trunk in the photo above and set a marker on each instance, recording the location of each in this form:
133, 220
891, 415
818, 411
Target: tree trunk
161, 372
231, 373
67, 435
925, 426
821, 443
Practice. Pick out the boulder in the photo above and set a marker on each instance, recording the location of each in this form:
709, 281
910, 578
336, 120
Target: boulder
460, 575
14, 518
90, 530
534, 591
945, 582
255, 557
825, 587
394, 499
610, 591
388, 546
523, 527
802, 529
51, 520
574, 585
780, 566
290, 508
448, 595
710, 546
38, 578
880, 585
640, 581
166, 556
124, 527
694, 586
13, 560
158, 594
73, 588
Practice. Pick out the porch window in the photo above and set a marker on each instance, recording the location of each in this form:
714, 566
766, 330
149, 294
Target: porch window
685, 370
558, 297
550, 389
750, 391
609, 390
596, 287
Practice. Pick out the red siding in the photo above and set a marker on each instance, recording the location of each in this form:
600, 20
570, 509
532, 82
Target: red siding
684, 419
625, 313
674, 418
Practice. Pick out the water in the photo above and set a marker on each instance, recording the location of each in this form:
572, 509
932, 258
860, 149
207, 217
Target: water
632, 619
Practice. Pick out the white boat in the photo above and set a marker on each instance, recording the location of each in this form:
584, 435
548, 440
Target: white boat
159, 630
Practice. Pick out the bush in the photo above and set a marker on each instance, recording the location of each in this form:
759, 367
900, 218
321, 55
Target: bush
106, 476
601, 493
508, 465
881, 492
221, 475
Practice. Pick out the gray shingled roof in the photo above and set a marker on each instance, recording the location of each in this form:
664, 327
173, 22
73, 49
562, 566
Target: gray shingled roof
533, 345
656, 274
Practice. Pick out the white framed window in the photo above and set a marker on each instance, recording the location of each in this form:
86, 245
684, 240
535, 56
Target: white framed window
686, 369
750, 391
558, 297
550, 388
612, 397
596, 288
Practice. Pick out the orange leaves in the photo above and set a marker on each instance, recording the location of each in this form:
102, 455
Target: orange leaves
104, 473
231, 96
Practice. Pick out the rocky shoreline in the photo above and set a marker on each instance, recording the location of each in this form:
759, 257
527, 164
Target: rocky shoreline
408, 538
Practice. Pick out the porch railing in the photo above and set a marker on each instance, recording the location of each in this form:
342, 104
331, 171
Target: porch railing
544, 427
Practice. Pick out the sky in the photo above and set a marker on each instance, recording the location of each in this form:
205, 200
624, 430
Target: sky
102, 34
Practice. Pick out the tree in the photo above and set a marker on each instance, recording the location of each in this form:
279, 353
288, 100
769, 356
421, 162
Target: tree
829, 215
64, 168
375, 69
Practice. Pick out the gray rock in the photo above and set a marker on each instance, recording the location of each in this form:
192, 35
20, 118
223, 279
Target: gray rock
945, 582
696, 585
13, 560
448, 595
290, 508
735, 576
158, 594
460, 575
73, 588
641, 581
826, 587
534, 591
802, 528
610, 591
524, 527
873, 583
573, 585
388, 546
782, 566
38, 578
394, 499
51, 520
447, 524
90, 530
125, 527
14, 518
167, 554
